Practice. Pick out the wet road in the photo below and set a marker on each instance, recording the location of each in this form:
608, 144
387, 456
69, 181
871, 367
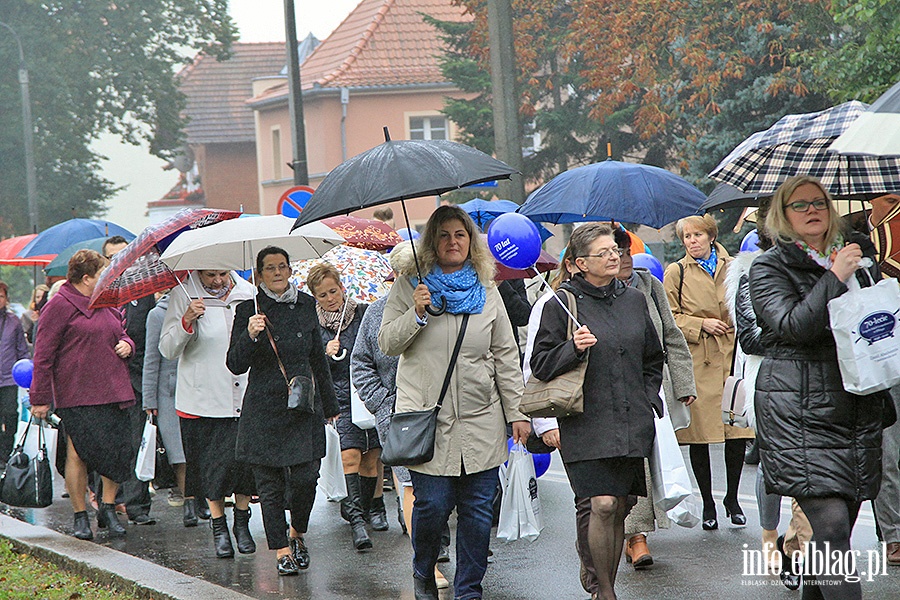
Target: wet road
689, 563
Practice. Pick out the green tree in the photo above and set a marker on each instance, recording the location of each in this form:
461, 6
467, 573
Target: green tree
94, 67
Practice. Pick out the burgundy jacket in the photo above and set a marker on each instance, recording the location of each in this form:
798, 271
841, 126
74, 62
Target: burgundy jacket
75, 362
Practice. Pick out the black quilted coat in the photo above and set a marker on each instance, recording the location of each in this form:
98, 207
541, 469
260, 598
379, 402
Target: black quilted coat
815, 439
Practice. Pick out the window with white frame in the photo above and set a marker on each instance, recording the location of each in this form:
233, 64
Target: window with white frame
428, 128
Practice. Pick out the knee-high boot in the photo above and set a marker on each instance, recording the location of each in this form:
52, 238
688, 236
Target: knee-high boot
352, 506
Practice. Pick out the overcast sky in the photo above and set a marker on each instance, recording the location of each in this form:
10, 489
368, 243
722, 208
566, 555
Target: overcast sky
258, 21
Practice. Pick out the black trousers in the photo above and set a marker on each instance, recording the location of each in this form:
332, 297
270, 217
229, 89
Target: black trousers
291, 487
9, 419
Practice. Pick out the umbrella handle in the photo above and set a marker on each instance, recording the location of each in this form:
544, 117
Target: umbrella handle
437, 311
340, 356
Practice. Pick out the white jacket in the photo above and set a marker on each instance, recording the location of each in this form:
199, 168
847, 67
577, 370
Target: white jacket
205, 386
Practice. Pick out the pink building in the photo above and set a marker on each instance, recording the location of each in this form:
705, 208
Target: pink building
378, 68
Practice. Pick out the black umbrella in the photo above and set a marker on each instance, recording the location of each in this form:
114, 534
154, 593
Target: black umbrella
397, 170
727, 196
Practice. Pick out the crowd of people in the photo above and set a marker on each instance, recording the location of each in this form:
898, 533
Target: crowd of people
225, 368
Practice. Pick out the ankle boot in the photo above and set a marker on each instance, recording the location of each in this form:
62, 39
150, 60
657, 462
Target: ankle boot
351, 504
82, 526
107, 517
203, 509
378, 514
245, 543
190, 512
425, 589
221, 537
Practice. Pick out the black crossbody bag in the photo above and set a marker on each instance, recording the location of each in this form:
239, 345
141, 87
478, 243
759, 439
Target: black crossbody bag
410, 435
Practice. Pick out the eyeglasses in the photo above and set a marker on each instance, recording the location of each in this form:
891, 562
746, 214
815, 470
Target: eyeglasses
273, 268
604, 253
802, 207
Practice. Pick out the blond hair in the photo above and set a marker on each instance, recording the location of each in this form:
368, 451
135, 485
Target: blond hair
705, 223
319, 272
479, 254
777, 225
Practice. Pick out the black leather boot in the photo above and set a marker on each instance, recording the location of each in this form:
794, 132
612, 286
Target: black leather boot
425, 589
351, 505
221, 537
82, 526
107, 518
378, 514
190, 512
203, 509
241, 529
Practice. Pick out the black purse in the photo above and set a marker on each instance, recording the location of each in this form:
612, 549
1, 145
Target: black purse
27, 482
165, 474
410, 435
301, 389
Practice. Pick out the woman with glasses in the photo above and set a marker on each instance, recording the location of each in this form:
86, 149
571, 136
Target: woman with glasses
818, 443
695, 286
283, 446
604, 448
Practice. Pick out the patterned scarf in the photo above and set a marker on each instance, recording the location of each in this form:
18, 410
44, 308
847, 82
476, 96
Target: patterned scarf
823, 259
288, 297
709, 264
219, 293
331, 319
461, 289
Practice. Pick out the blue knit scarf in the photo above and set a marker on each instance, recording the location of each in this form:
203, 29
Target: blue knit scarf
462, 290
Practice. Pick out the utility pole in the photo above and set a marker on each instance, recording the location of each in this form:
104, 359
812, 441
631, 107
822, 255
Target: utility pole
298, 137
507, 130
28, 135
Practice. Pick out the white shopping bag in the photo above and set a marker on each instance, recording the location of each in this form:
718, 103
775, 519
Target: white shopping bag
31, 442
145, 467
359, 414
668, 474
520, 509
686, 513
331, 472
864, 326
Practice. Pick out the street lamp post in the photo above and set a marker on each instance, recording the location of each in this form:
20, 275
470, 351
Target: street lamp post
28, 137
298, 133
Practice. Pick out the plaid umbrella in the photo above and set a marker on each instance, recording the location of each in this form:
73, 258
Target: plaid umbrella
364, 233
363, 272
886, 237
136, 271
799, 145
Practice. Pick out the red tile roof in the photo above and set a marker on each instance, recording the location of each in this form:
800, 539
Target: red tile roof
380, 43
217, 92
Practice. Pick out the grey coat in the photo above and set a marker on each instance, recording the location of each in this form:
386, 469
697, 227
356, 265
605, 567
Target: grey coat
158, 384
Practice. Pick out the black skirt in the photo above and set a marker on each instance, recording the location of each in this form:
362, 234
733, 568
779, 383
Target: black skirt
101, 436
354, 438
619, 476
212, 470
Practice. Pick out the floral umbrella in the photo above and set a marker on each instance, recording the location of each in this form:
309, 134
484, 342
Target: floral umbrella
363, 272
364, 233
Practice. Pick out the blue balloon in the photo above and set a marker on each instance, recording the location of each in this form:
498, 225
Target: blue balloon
541, 461
750, 243
514, 241
649, 262
22, 371
405, 234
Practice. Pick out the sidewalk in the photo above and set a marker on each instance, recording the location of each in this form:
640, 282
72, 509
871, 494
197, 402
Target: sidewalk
106, 566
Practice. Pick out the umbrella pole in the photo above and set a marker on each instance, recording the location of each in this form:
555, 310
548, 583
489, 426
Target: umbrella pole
252, 278
343, 353
545, 285
431, 311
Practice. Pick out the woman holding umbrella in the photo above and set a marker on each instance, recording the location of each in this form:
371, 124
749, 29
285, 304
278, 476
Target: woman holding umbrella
286, 472
339, 318
695, 286
77, 343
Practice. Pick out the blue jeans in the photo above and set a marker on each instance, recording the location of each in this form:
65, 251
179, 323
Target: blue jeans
436, 497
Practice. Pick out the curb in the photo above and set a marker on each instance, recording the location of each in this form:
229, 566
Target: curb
125, 573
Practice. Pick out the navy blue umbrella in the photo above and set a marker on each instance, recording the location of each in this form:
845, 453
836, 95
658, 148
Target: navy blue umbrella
485, 211
614, 191
59, 237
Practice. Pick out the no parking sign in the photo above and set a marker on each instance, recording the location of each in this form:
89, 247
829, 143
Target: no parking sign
293, 200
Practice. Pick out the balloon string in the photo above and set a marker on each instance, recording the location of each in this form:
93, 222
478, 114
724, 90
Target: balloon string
545, 285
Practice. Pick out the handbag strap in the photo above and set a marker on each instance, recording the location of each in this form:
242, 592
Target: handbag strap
277, 356
459, 339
